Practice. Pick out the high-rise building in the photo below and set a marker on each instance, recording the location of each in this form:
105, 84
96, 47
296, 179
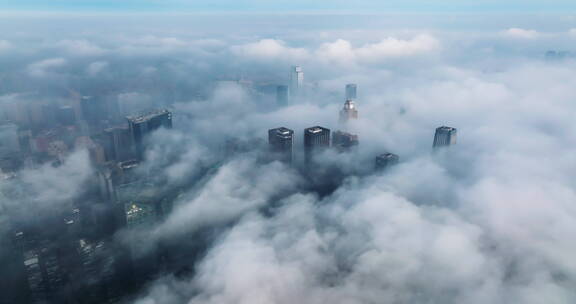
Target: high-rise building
282, 95
280, 141
9, 141
143, 125
344, 141
348, 113
315, 139
386, 160
351, 90
296, 81
444, 136
117, 144
65, 115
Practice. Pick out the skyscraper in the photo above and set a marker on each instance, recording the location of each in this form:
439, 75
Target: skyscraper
282, 95
349, 112
315, 139
296, 81
117, 143
351, 91
344, 141
9, 141
142, 125
280, 141
386, 160
444, 136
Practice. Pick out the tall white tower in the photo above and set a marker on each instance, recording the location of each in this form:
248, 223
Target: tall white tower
296, 81
348, 113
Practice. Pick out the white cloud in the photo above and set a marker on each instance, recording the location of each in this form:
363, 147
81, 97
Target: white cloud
41, 68
80, 48
96, 67
521, 33
5, 45
268, 49
342, 51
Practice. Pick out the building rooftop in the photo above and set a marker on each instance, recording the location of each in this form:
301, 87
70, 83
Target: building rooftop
316, 129
387, 155
146, 116
445, 128
297, 68
283, 131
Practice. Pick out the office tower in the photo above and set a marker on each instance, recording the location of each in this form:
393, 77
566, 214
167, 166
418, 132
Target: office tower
348, 113
280, 141
143, 125
296, 81
91, 108
117, 143
282, 95
386, 160
344, 141
444, 136
351, 91
65, 115
315, 139
9, 140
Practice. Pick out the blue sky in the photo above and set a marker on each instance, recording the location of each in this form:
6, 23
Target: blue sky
294, 5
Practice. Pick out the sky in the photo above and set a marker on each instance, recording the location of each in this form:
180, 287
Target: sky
533, 6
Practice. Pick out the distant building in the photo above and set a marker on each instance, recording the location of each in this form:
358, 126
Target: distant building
65, 115
444, 136
143, 125
386, 160
315, 139
553, 55
296, 81
282, 95
348, 113
344, 141
351, 90
9, 140
281, 141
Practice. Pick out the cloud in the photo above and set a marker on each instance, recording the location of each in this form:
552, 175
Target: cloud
96, 67
342, 51
5, 45
80, 48
270, 49
521, 33
487, 221
43, 67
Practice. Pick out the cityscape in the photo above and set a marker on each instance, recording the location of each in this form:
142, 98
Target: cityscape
271, 153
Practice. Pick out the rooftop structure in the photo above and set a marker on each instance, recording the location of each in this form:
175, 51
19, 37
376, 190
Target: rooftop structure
444, 137
344, 141
280, 141
315, 138
386, 160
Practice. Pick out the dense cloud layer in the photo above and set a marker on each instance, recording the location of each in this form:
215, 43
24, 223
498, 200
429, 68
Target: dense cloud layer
489, 221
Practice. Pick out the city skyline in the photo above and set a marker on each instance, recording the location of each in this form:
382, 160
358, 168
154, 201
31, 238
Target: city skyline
195, 152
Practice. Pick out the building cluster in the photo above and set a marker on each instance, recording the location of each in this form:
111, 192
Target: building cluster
318, 138
77, 260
